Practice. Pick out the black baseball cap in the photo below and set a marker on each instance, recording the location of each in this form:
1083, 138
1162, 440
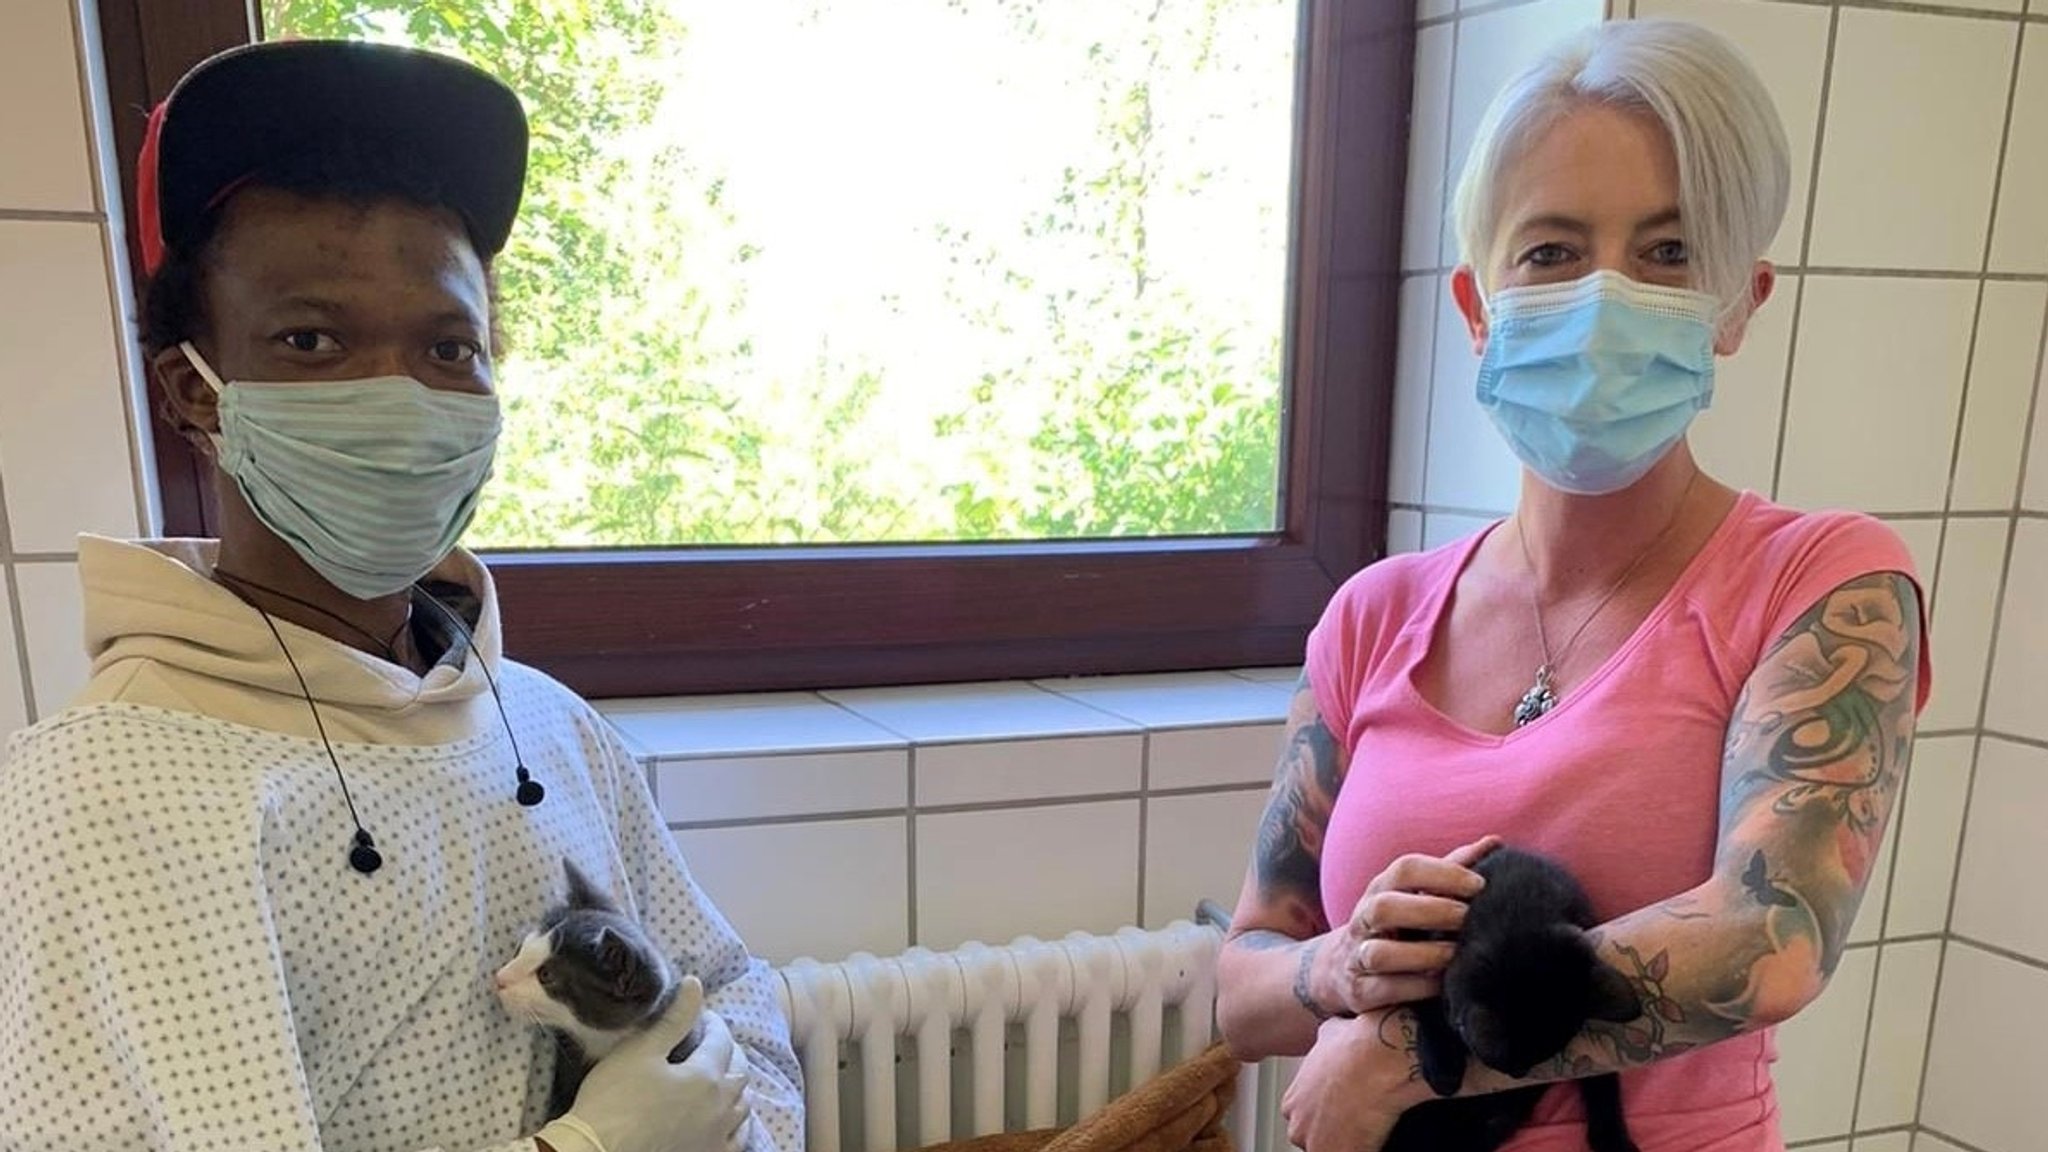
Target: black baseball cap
247, 108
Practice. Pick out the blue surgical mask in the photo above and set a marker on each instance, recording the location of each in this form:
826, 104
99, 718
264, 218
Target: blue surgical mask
370, 481
1591, 382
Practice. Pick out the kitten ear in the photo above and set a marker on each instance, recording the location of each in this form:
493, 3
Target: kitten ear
584, 894
1612, 997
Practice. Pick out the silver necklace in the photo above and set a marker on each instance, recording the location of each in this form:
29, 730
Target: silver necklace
1542, 695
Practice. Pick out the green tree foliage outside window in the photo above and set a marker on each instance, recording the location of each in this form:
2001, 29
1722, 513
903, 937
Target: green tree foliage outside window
835, 271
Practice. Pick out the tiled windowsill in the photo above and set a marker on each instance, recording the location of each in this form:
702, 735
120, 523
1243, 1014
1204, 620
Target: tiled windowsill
832, 822
718, 760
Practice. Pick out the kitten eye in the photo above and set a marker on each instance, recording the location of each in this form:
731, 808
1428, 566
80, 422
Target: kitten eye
545, 975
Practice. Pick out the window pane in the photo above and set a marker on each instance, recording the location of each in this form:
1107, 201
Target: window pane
823, 271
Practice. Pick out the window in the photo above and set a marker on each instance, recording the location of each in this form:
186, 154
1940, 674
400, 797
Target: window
871, 341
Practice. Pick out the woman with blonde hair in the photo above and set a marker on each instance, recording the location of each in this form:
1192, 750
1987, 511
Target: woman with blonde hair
1699, 702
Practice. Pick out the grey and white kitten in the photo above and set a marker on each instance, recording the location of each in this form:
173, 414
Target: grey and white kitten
590, 976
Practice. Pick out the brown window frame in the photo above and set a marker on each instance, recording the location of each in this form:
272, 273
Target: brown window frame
661, 622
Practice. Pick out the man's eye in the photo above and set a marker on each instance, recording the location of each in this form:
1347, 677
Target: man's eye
309, 340
456, 351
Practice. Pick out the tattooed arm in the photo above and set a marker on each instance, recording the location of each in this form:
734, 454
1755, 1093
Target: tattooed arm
1815, 756
1284, 967
1266, 1002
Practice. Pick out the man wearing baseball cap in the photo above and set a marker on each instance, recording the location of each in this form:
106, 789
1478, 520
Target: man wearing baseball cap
268, 876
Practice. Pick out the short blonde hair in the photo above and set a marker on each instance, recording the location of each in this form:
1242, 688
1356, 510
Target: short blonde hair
1734, 171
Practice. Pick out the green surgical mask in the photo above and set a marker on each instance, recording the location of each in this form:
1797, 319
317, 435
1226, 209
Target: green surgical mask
370, 481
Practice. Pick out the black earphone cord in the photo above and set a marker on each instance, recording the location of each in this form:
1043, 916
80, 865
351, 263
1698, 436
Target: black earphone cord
363, 855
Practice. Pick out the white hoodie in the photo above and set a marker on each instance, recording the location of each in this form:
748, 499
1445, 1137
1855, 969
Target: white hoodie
188, 962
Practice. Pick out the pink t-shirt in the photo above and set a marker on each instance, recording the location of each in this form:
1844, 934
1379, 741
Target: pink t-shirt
1621, 782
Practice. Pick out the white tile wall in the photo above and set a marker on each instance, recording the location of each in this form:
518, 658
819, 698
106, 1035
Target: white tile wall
2020, 237
1430, 178
50, 624
1898, 1034
1028, 769
1816, 1084
1909, 152
1984, 1071
722, 788
64, 443
1203, 757
1197, 847
1872, 422
2021, 667
1884, 1142
1414, 366
1965, 615
1045, 871
2002, 371
1736, 439
1998, 891
822, 889
49, 165
1928, 833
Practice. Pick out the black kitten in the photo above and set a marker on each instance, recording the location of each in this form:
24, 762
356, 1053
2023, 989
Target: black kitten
1523, 982
591, 977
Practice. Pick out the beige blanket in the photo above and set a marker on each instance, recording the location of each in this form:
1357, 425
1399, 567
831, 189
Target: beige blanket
1180, 1110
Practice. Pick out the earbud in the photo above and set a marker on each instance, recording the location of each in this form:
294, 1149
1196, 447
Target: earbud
364, 857
529, 793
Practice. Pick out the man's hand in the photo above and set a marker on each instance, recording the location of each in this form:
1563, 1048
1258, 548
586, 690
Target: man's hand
634, 1100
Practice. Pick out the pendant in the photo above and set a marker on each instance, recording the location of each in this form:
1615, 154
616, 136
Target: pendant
1539, 699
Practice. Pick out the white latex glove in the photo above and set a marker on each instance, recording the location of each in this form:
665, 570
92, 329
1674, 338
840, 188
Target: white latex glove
634, 1100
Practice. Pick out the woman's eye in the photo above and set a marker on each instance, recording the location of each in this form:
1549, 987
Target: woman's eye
456, 351
1547, 255
309, 340
1668, 252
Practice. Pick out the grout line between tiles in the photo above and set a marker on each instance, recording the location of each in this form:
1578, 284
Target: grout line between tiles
965, 807
1919, 9
1869, 1019
14, 612
1820, 131
1144, 818
1938, 1134
2021, 958
910, 844
2015, 738
1853, 1134
45, 557
51, 215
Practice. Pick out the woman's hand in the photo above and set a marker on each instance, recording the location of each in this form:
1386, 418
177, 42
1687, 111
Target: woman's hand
1361, 967
1353, 1085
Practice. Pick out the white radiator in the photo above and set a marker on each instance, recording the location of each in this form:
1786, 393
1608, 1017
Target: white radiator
912, 1050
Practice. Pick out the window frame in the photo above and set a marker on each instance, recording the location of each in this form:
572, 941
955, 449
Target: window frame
688, 621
